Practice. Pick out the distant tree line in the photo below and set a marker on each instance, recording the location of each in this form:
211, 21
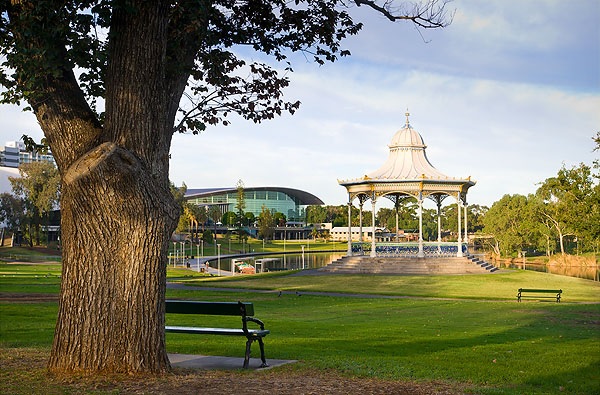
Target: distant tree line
563, 216
35, 195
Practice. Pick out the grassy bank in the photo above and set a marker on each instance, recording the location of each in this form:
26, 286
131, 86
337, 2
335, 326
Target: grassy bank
481, 340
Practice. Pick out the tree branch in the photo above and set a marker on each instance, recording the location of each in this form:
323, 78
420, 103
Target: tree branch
430, 15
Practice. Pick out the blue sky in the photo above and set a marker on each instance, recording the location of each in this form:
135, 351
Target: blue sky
506, 94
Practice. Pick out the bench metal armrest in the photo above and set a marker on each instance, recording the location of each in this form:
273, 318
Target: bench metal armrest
256, 321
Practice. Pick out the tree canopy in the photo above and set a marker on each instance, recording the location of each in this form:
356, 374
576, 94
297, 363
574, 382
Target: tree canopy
12, 213
266, 224
74, 43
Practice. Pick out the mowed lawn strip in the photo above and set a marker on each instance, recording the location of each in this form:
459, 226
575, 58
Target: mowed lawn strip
494, 346
30, 278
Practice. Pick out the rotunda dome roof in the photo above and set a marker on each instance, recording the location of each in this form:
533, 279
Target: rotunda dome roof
406, 170
407, 137
407, 159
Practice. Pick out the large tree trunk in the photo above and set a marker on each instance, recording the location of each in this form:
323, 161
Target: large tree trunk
117, 210
116, 225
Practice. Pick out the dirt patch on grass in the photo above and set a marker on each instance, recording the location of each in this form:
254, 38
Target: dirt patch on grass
23, 372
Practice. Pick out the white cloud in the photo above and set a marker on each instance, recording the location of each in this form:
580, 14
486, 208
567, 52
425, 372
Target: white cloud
14, 123
529, 25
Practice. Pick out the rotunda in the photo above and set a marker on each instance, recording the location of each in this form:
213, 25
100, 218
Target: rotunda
407, 173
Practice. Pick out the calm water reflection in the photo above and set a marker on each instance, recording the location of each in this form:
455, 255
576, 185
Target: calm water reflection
308, 260
589, 272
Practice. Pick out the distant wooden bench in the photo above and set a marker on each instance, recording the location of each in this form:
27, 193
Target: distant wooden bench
556, 292
244, 310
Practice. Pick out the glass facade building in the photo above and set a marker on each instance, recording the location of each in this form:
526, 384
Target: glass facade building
290, 202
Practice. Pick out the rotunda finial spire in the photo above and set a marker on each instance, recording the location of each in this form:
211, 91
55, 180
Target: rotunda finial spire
407, 121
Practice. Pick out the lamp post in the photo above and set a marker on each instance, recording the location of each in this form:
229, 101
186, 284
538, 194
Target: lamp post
219, 259
182, 243
302, 256
174, 253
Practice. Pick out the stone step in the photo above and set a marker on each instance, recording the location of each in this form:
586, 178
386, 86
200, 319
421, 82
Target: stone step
416, 266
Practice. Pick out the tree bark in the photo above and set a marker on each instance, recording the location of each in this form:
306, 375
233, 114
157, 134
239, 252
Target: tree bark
111, 315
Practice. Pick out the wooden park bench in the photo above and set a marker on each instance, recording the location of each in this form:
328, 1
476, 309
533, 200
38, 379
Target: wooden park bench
244, 310
556, 294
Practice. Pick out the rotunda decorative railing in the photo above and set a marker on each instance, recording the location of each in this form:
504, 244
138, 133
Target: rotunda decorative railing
408, 250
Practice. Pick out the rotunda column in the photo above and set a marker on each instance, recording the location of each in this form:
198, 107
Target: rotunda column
439, 225
466, 238
459, 253
360, 220
439, 221
421, 254
373, 246
397, 230
349, 253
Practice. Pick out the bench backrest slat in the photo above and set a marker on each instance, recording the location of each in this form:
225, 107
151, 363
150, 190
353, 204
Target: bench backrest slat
541, 290
209, 308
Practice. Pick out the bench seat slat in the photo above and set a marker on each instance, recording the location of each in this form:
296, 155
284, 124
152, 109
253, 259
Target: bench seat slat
539, 298
216, 331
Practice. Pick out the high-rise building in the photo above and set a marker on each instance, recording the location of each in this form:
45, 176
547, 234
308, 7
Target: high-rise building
14, 154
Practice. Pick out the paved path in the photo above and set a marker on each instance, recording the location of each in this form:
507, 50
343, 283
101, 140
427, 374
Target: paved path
204, 362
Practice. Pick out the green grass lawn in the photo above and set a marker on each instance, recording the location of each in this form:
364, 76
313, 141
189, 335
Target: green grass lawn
479, 337
497, 286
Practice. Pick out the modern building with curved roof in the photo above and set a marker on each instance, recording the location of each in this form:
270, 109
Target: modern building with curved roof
291, 202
